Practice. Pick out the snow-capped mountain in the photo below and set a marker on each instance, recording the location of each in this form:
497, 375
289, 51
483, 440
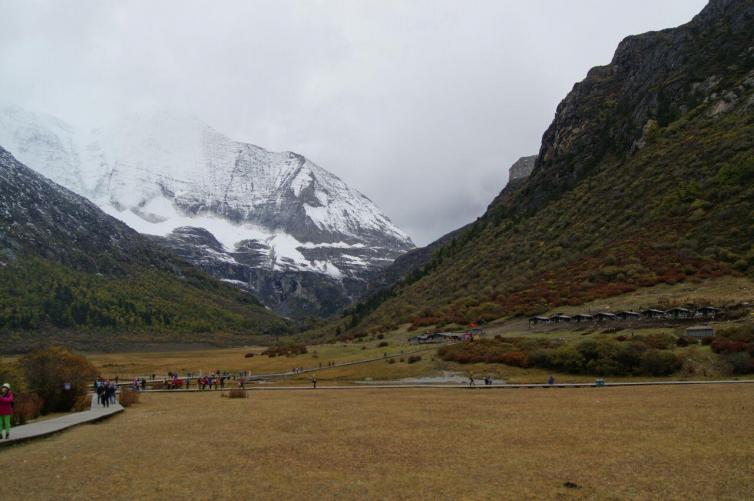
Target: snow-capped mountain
247, 215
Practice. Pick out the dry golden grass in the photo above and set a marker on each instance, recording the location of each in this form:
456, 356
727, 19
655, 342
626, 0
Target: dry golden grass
232, 359
652, 442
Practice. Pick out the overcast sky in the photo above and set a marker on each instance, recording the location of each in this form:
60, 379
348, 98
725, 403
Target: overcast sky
420, 105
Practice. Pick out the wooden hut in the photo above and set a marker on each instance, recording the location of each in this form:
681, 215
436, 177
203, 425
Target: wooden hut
559, 317
652, 313
628, 315
583, 317
700, 331
539, 320
604, 315
707, 312
679, 313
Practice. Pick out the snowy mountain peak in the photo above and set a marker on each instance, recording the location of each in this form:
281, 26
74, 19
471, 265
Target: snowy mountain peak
163, 171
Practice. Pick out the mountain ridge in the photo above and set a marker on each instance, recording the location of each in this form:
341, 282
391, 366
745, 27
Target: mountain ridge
645, 176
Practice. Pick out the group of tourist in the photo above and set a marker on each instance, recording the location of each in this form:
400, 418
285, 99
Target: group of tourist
106, 391
208, 382
138, 384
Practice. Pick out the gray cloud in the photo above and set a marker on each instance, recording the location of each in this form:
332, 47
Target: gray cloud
421, 105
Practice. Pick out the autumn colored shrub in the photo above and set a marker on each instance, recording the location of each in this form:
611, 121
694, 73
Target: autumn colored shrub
58, 376
725, 345
128, 397
83, 403
237, 393
516, 359
287, 350
27, 406
414, 358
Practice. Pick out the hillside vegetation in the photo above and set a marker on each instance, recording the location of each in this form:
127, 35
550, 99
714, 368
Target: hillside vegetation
646, 176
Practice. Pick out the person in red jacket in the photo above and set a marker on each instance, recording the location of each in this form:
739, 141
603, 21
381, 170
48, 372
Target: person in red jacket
6, 409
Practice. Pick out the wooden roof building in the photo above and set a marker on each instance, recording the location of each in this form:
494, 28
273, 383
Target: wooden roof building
707, 311
559, 317
539, 320
652, 313
604, 315
628, 315
679, 312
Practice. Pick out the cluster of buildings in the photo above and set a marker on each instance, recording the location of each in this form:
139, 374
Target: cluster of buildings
444, 337
676, 313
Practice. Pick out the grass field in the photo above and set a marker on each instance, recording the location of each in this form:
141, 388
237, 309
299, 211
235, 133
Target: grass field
653, 442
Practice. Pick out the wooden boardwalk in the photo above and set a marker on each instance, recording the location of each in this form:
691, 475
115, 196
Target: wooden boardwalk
55, 425
461, 386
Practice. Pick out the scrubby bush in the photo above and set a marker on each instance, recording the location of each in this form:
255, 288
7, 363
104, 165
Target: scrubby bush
382, 344
516, 359
659, 341
128, 397
414, 358
659, 363
602, 357
83, 403
740, 363
27, 406
725, 345
285, 350
58, 376
237, 393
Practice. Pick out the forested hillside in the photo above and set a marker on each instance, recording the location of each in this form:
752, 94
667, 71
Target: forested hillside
645, 176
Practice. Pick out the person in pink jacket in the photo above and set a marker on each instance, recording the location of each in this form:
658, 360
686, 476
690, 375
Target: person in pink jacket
6, 409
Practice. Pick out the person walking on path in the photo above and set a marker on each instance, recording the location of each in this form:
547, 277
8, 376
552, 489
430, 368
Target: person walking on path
101, 393
551, 380
314, 382
6, 409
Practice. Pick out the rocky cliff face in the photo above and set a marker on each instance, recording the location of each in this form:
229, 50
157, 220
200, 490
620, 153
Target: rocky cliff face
273, 223
653, 79
521, 168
